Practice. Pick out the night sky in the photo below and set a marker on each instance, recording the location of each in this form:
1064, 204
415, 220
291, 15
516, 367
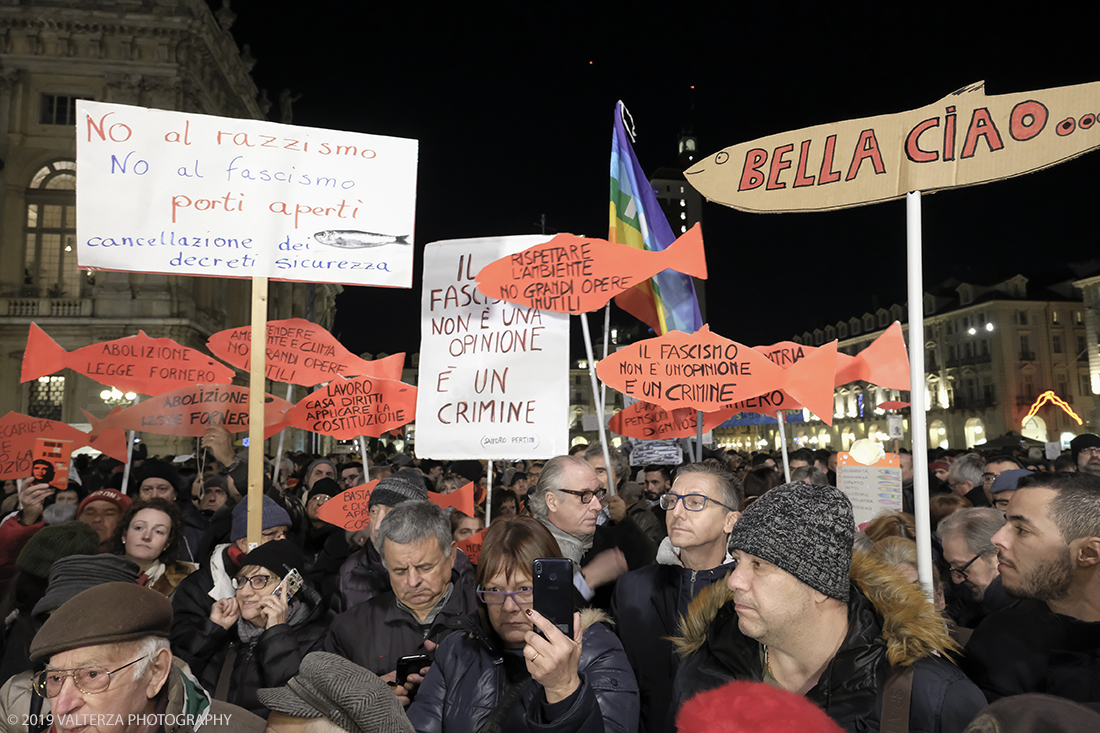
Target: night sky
513, 107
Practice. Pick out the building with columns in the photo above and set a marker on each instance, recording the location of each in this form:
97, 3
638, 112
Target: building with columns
995, 355
167, 54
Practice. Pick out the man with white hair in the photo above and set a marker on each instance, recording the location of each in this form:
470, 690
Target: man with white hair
968, 549
966, 478
109, 669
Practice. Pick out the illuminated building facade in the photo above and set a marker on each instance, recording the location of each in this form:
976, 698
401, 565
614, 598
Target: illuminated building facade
991, 352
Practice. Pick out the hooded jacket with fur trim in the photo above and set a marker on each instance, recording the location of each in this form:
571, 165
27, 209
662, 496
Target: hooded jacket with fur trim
471, 675
889, 623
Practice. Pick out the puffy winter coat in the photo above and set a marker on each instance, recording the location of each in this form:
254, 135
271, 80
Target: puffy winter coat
890, 622
647, 605
268, 660
471, 674
195, 596
1029, 648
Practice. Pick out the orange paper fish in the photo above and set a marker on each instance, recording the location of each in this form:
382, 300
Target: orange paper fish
708, 372
19, 432
132, 364
192, 410
646, 421
348, 408
571, 274
350, 508
884, 362
301, 352
461, 499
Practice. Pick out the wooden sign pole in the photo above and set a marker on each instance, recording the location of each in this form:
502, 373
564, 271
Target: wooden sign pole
256, 390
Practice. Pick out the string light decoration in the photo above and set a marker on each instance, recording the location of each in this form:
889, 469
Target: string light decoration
1046, 397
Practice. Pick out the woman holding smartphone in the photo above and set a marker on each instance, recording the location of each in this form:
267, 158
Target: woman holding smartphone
259, 636
502, 675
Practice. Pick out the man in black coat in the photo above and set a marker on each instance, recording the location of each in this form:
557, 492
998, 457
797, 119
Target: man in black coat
801, 613
427, 602
1049, 553
567, 501
650, 601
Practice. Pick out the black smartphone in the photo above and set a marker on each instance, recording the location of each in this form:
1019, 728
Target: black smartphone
553, 589
410, 665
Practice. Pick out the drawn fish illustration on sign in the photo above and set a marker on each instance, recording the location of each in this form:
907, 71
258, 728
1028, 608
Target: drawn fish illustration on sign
571, 274
353, 239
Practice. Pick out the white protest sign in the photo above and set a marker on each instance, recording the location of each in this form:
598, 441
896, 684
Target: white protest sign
896, 429
872, 489
189, 194
494, 377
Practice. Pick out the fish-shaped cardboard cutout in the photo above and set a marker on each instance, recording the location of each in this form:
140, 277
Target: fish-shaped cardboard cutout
646, 421
301, 352
472, 545
461, 499
571, 274
18, 434
348, 408
133, 364
892, 405
350, 508
964, 139
192, 410
709, 372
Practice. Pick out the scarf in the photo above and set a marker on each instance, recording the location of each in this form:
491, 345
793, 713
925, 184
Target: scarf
667, 554
152, 575
572, 547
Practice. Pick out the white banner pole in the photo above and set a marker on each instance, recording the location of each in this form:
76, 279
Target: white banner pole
599, 407
783, 442
917, 417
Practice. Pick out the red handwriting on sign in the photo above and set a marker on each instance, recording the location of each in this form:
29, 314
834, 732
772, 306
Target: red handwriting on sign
650, 422
348, 408
192, 410
349, 509
571, 274
132, 364
708, 372
18, 434
301, 352
472, 546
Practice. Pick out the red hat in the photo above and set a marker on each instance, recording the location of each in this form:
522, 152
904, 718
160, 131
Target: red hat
759, 707
109, 495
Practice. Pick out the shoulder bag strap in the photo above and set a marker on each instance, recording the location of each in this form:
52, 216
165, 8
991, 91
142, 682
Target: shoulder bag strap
895, 700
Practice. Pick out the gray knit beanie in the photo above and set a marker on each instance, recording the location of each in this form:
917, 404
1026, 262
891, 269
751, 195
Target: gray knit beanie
396, 489
804, 529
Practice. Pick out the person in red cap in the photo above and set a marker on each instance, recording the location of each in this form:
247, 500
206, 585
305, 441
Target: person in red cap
101, 511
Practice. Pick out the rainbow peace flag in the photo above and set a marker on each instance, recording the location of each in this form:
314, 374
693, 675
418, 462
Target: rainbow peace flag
666, 302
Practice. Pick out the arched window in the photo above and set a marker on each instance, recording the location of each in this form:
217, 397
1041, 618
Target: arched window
49, 263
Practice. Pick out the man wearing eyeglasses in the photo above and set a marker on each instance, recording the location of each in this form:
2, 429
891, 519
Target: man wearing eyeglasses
567, 501
112, 672
969, 551
1085, 450
700, 511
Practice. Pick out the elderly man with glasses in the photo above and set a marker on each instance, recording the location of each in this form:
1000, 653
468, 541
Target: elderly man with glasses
969, 552
107, 671
567, 501
700, 511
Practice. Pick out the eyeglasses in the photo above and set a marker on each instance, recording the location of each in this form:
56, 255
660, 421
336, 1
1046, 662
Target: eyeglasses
988, 478
499, 597
961, 572
258, 582
1091, 451
89, 680
587, 494
692, 502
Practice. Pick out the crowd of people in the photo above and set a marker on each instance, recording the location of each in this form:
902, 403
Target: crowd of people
690, 582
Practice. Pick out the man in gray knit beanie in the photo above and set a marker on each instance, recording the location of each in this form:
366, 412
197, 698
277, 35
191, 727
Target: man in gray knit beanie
797, 612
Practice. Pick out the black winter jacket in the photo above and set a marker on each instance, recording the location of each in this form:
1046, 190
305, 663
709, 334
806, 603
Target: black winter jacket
471, 674
889, 621
1029, 648
191, 603
647, 605
376, 633
363, 576
269, 660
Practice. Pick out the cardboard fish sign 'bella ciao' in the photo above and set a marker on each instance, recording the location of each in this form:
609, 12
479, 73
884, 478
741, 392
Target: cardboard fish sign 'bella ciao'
709, 372
133, 364
650, 422
192, 410
348, 408
571, 274
301, 352
964, 139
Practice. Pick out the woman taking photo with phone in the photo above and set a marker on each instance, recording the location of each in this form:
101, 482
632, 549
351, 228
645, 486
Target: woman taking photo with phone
501, 675
257, 638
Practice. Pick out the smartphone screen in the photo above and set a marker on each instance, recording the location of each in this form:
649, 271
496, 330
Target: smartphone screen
553, 589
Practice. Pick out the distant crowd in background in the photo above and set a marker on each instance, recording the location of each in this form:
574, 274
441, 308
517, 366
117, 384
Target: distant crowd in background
690, 581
